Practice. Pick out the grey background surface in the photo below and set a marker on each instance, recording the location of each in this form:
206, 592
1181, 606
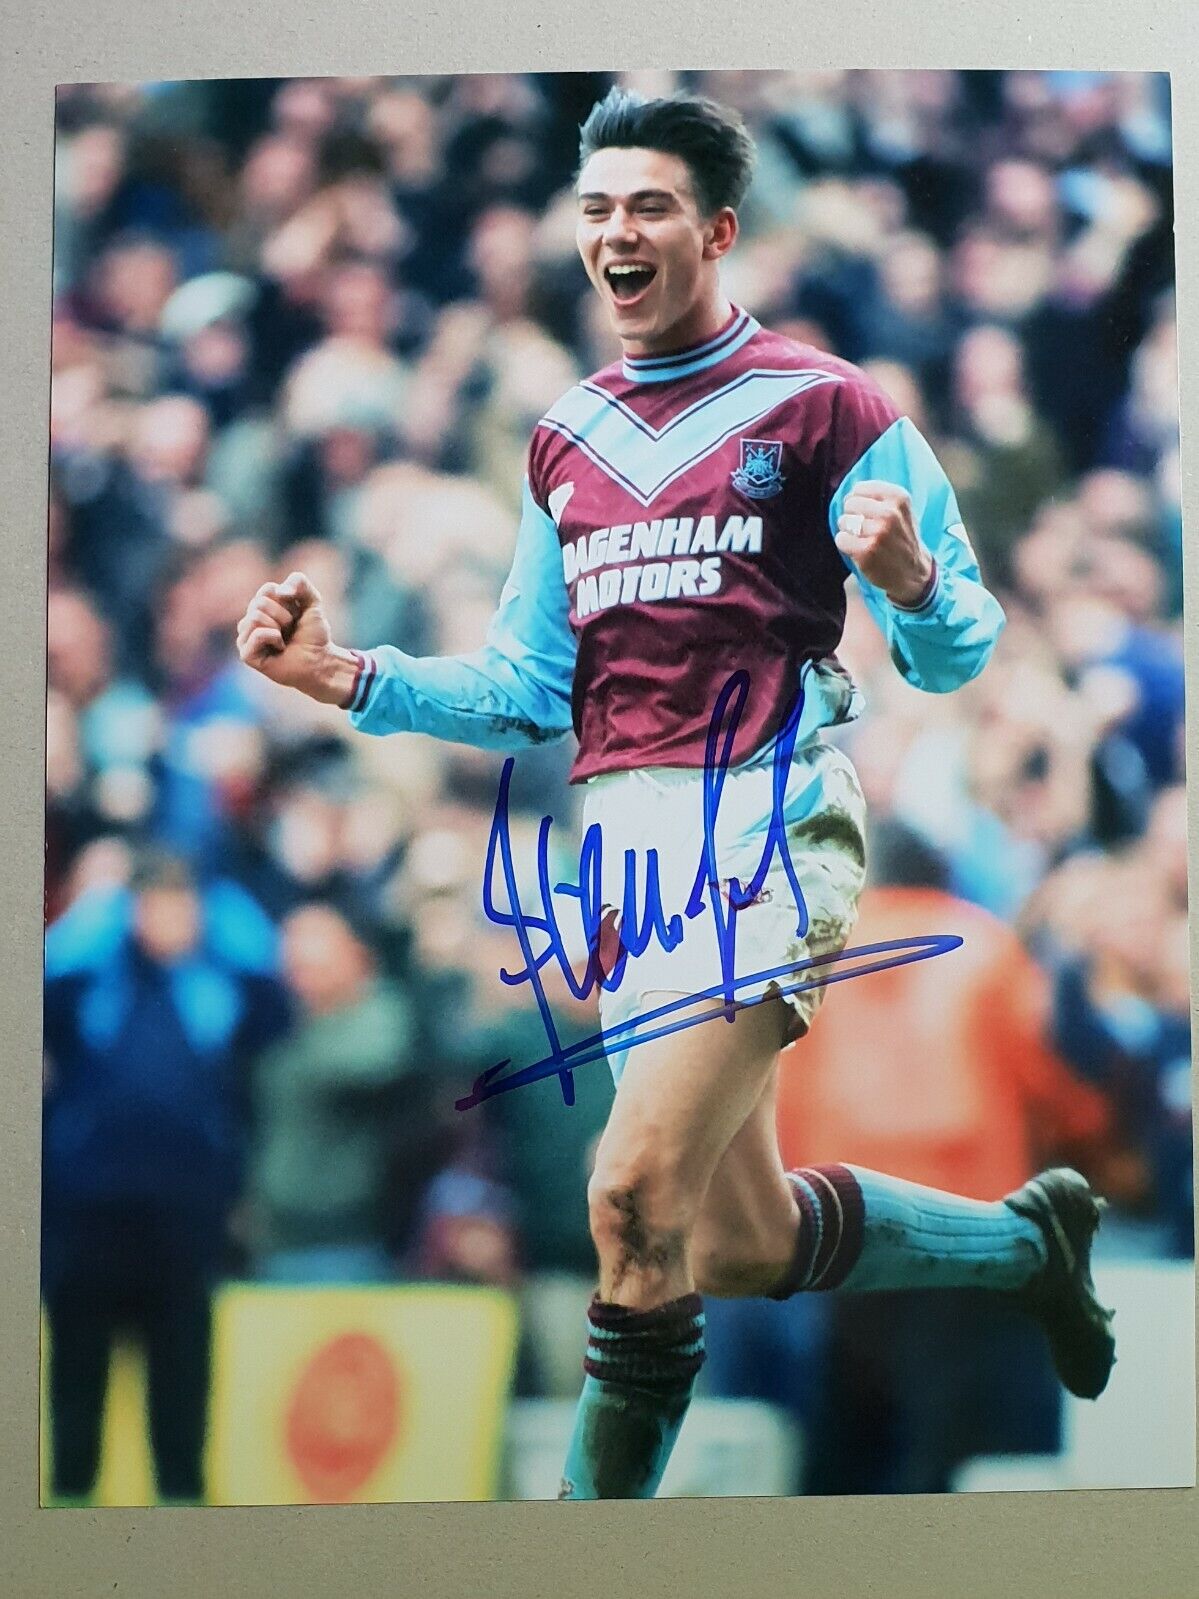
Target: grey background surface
1129, 1544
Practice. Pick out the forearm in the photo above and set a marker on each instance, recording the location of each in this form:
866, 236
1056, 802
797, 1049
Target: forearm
948, 639
514, 691
919, 575
338, 678
485, 700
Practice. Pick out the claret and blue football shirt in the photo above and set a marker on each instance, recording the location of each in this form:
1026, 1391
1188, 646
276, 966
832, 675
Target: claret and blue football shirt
678, 524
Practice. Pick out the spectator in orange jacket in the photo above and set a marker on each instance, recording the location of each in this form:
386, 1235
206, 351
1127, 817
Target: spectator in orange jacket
938, 1070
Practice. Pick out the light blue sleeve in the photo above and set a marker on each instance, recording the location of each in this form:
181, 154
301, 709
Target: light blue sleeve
513, 692
949, 639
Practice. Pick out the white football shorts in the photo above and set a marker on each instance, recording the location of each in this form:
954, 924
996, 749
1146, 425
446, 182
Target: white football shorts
662, 809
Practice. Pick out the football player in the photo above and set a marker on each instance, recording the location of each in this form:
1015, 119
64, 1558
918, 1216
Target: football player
692, 512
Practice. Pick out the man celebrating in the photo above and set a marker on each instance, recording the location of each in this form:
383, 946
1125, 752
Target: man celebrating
690, 512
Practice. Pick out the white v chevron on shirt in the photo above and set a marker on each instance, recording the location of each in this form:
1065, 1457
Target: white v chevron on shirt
645, 460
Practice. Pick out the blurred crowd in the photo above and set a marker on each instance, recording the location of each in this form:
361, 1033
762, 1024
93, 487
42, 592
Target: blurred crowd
310, 324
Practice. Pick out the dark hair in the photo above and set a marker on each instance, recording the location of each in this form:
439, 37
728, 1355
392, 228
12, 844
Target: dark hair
712, 140
155, 867
354, 915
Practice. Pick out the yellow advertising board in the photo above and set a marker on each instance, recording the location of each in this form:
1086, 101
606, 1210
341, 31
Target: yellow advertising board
337, 1395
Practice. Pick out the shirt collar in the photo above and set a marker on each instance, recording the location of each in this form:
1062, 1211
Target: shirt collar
738, 330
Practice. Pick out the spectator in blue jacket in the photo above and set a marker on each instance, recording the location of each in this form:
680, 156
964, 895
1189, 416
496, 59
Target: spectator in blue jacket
157, 997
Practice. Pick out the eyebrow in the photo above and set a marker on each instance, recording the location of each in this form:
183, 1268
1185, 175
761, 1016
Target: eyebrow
641, 194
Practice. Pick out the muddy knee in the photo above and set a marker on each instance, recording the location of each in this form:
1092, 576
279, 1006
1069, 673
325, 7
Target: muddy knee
640, 1224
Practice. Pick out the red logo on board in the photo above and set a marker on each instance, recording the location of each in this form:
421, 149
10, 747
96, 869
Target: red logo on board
343, 1416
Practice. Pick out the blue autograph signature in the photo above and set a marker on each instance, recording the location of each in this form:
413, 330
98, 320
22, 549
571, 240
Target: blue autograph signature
643, 918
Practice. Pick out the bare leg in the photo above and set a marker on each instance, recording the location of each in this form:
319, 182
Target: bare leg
682, 1101
744, 1237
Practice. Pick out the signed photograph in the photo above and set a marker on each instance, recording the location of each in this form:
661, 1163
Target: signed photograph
616, 834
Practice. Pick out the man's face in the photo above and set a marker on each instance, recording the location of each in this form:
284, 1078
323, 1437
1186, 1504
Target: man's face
325, 964
649, 253
167, 923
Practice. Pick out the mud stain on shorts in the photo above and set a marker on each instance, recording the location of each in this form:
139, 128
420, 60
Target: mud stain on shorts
831, 828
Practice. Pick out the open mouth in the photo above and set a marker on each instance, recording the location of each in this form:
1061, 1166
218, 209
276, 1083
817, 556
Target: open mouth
629, 283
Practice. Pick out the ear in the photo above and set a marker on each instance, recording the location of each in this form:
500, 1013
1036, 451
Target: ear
720, 234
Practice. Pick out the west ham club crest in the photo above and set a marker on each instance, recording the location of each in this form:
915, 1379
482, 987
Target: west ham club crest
758, 476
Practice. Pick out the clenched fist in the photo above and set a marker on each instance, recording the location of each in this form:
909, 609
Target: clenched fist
285, 636
877, 532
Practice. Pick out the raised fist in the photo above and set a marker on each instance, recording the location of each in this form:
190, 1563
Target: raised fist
285, 635
877, 532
